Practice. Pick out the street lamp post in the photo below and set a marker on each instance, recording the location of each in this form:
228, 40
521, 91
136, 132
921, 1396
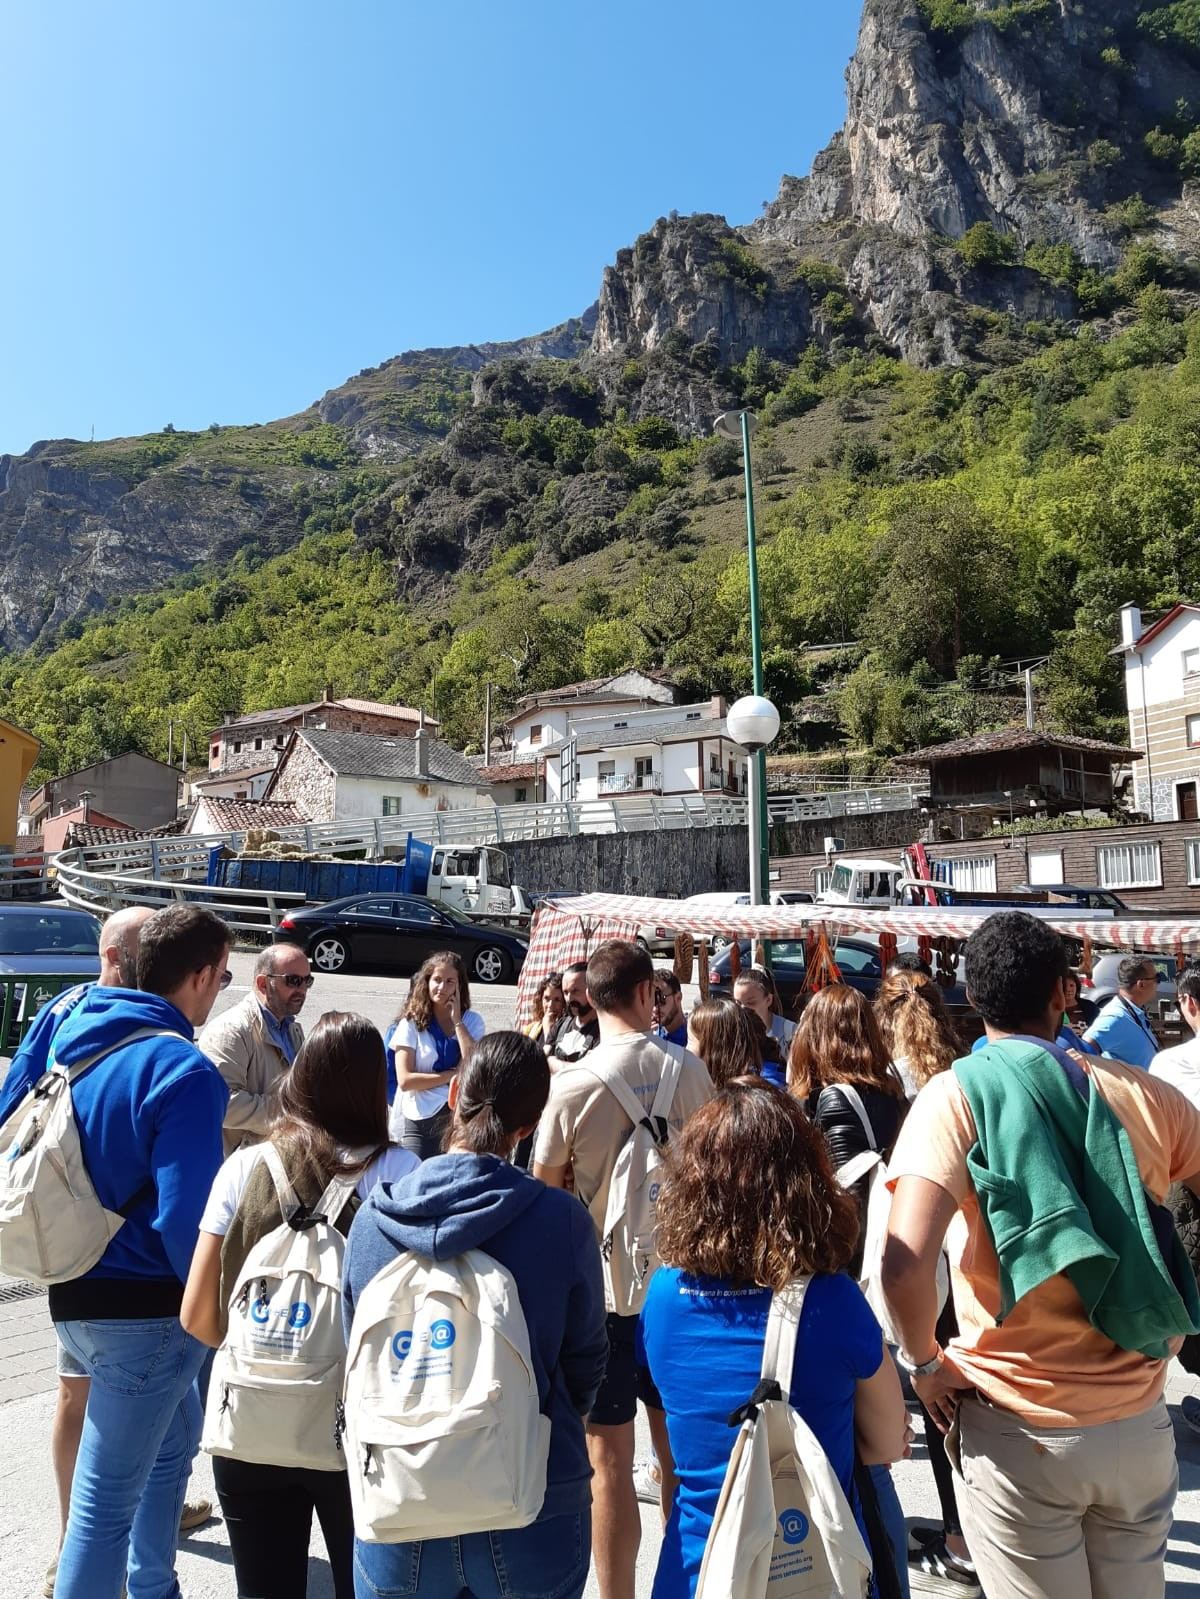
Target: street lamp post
753, 722
742, 425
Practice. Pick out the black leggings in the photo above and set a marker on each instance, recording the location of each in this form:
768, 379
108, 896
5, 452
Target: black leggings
935, 1439
268, 1512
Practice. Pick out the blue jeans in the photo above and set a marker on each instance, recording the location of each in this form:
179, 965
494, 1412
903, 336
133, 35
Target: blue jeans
548, 1560
140, 1436
893, 1520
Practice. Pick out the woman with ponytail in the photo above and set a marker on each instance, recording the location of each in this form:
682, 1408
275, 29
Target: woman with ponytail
917, 1032
472, 1197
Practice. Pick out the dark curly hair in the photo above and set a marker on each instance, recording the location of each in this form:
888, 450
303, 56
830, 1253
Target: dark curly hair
1011, 966
749, 1195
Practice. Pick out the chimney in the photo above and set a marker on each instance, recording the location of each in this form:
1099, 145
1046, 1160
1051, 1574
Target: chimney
422, 743
85, 800
1131, 624
718, 706
327, 694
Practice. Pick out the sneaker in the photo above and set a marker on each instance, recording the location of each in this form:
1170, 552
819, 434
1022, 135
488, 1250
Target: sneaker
195, 1513
647, 1484
934, 1569
1189, 1409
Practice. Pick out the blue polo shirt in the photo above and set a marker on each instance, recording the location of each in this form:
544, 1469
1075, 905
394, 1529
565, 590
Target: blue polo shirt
1122, 1031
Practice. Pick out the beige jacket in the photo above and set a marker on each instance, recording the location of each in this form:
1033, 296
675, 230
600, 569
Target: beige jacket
251, 1063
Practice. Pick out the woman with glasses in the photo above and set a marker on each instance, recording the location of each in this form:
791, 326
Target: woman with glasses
331, 1121
432, 1037
254, 1043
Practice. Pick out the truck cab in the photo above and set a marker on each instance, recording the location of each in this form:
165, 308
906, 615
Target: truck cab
872, 884
474, 880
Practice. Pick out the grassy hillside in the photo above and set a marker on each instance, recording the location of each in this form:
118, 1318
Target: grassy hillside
943, 520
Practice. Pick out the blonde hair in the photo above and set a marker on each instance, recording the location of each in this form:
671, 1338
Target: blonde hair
915, 1024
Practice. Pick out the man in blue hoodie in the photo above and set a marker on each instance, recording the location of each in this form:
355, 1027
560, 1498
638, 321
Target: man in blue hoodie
149, 1114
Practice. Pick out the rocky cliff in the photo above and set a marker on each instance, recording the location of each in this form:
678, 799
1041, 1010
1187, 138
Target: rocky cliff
1044, 123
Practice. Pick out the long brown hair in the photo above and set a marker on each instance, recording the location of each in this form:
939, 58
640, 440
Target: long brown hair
915, 1025
334, 1095
749, 1194
837, 1041
418, 1007
724, 1036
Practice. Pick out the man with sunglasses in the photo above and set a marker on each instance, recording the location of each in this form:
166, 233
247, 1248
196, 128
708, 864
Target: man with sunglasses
254, 1042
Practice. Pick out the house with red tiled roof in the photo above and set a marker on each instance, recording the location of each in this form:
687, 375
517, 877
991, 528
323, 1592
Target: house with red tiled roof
259, 738
212, 815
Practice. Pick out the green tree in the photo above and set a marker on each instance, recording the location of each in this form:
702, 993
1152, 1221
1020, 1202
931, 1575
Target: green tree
984, 246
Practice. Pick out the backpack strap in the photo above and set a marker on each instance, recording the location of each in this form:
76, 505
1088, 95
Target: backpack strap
75, 1072
854, 1099
297, 1215
779, 1350
289, 1200
654, 1120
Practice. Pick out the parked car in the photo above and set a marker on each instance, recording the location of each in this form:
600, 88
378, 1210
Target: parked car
399, 932
1087, 898
857, 960
43, 942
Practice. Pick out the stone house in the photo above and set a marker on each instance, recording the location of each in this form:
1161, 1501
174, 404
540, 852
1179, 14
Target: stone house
332, 776
259, 738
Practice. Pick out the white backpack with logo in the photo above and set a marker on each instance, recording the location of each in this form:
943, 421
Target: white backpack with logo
629, 1244
53, 1227
879, 1207
783, 1526
444, 1433
275, 1394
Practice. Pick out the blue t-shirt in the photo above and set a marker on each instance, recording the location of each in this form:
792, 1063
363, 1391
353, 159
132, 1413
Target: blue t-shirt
701, 1341
1067, 1038
1122, 1031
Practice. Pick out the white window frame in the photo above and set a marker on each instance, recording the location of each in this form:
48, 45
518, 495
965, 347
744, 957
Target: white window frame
972, 873
1191, 656
1192, 846
393, 804
1129, 865
1191, 732
1038, 881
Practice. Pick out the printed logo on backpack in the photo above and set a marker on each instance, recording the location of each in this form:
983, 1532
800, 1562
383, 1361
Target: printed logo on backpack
276, 1387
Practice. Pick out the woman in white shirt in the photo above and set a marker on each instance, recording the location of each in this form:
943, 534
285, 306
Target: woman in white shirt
332, 1121
434, 1033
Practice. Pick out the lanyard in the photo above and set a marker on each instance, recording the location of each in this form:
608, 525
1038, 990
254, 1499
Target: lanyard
1133, 1012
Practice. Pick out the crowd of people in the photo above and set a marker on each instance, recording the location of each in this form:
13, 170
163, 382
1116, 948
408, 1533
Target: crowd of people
441, 1155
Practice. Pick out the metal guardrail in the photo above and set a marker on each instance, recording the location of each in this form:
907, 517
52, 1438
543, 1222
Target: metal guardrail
20, 1000
847, 802
90, 888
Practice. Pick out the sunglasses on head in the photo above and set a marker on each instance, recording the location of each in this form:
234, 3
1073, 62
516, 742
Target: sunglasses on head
291, 980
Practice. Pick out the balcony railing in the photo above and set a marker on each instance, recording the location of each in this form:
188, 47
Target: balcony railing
630, 783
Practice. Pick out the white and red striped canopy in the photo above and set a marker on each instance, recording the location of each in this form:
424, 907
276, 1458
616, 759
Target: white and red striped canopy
569, 929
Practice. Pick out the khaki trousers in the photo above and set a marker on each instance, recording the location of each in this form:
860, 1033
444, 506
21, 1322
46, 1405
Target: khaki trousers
1079, 1513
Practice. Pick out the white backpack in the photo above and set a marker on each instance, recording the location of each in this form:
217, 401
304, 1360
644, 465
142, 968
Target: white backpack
53, 1227
275, 1394
629, 1244
879, 1208
783, 1525
444, 1434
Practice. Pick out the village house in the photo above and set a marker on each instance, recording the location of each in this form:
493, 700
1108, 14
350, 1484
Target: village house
256, 741
217, 815
333, 776
1162, 694
626, 735
130, 790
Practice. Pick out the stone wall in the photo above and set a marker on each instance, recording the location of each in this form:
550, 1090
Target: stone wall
680, 861
307, 780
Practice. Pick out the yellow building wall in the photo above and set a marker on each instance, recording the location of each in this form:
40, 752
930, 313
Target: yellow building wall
18, 753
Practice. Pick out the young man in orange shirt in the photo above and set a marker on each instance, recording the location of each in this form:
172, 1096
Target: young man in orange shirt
1066, 1472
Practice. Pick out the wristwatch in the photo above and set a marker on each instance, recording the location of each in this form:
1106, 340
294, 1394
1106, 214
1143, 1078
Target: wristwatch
926, 1368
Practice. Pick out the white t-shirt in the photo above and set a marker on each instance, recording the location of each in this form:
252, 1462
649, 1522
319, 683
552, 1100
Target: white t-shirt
419, 1107
230, 1182
1180, 1067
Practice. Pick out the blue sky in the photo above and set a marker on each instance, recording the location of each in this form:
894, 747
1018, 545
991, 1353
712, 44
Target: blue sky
215, 212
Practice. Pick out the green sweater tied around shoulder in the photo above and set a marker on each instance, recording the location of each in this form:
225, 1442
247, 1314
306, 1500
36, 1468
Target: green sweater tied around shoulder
1060, 1191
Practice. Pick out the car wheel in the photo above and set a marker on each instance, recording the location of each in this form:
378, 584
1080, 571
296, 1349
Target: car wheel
719, 943
642, 944
490, 964
328, 954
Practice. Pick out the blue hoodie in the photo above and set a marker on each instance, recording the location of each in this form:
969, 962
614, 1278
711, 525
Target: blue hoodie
545, 1238
149, 1118
29, 1062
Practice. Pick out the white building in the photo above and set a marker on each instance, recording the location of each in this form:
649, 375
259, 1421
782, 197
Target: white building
1162, 692
626, 735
